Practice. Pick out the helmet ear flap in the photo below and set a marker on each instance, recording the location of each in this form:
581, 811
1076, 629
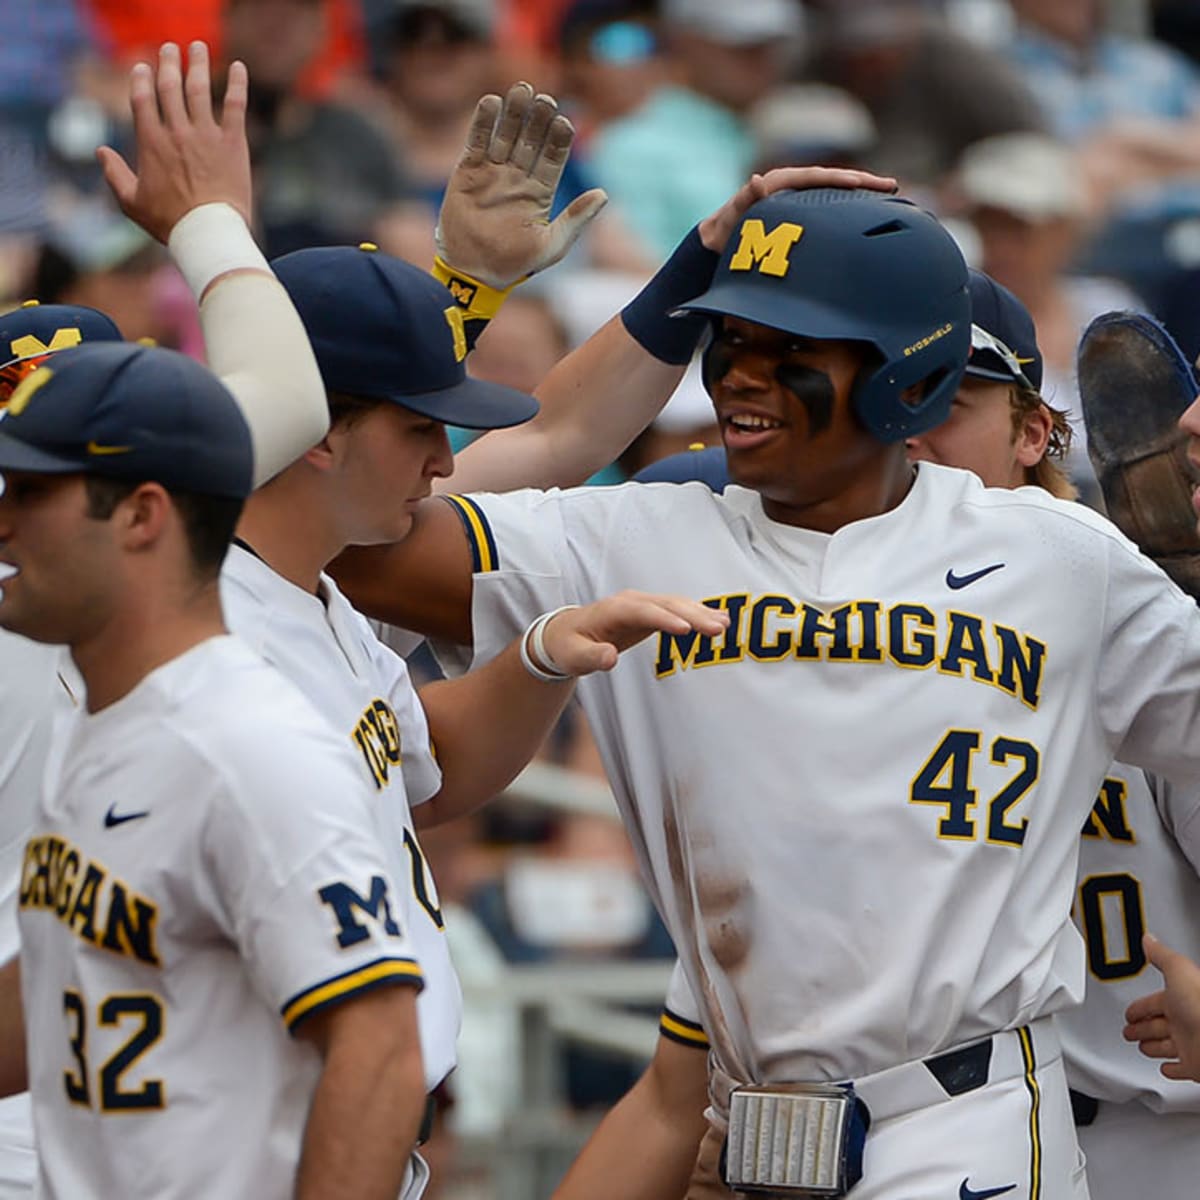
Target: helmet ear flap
876, 397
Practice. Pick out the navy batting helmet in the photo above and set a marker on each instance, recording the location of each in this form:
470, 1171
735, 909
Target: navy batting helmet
837, 264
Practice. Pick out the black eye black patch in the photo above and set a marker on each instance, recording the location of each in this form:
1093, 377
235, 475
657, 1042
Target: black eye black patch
814, 389
715, 364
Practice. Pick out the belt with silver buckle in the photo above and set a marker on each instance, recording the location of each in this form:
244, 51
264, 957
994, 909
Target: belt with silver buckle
795, 1139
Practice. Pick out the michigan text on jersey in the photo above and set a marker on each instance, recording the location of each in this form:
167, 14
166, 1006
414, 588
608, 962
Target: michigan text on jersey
87, 899
775, 628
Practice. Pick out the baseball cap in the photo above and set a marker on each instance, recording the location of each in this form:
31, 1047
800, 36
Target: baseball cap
1028, 174
742, 23
32, 332
129, 412
381, 327
998, 314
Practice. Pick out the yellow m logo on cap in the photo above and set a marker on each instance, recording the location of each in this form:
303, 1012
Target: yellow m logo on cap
29, 345
768, 252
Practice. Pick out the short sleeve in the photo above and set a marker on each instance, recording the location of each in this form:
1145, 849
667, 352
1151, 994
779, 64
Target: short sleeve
297, 859
680, 1018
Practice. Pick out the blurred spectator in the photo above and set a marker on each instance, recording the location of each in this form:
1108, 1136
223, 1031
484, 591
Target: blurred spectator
133, 30
612, 61
811, 123
323, 173
521, 343
92, 255
687, 422
931, 90
576, 897
1130, 104
440, 60
44, 44
1024, 195
687, 148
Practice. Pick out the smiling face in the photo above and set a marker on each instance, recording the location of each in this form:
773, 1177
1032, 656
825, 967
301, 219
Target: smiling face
789, 429
388, 459
62, 565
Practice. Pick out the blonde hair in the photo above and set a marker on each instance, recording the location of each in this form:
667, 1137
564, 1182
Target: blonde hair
1048, 472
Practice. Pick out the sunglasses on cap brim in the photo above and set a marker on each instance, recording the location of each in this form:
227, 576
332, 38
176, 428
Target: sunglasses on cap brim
16, 370
981, 340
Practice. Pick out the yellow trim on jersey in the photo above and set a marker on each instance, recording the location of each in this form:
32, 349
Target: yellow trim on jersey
679, 1029
479, 533
382, 971
1035, 1113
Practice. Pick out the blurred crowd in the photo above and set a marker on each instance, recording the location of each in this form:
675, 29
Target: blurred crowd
1060, 140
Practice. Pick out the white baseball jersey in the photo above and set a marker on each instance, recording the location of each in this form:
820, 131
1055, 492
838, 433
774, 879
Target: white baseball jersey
203, 874
363, 689
33, 693
1133, 878
859, 808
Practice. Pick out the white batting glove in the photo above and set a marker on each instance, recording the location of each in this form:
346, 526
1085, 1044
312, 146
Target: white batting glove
494, 224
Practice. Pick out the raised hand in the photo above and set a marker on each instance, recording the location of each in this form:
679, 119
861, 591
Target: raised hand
716, 229
185, 155
494, 223
1166, 1024
587, 639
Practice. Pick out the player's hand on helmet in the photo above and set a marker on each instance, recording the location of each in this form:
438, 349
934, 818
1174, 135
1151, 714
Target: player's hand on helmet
716, 230
495, 222
587, 639
1167, 1023
186, 156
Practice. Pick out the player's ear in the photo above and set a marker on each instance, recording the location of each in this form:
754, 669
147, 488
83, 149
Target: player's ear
325, 455
141, 517
1033, 436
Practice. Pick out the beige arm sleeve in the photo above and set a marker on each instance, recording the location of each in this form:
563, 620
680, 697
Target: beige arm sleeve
254, 338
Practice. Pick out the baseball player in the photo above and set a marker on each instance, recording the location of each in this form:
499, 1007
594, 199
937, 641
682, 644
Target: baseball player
209, 949
1000, 428
852, 951
1132, 873
195, 188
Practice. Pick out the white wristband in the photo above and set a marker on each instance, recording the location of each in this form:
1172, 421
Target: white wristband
211, 240
544, 668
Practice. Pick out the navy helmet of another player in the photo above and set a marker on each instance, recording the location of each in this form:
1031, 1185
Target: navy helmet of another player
32, 332
838, 265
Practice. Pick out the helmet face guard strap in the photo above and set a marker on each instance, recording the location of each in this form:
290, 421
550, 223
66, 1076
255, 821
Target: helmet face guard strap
840, 265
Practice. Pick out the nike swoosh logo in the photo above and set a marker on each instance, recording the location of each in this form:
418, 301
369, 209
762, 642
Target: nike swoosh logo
954, 582
98, 448
112, 818
965, 1193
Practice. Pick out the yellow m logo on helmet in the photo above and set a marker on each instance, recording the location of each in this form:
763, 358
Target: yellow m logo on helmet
767, 252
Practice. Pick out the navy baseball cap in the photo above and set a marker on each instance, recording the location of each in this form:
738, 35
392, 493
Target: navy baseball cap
31, 332
996, 311
129, 412
383, 328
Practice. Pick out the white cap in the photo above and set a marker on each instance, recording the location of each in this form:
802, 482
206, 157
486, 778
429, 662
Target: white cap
736, 22
1028, 174
805, 118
